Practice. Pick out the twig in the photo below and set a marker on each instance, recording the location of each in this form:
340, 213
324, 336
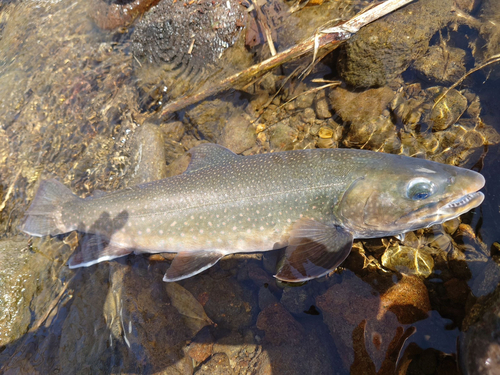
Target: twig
315, 89
491, 60
9, 191
328, 38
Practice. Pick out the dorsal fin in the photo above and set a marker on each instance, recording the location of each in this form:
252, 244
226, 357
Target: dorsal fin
207, 155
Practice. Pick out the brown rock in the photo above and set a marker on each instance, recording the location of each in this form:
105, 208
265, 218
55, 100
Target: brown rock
279, 326
201, 346
408, 300
217, 365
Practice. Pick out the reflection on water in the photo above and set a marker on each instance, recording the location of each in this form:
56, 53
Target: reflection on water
78, 103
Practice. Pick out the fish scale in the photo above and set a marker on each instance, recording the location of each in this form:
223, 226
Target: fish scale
315, 202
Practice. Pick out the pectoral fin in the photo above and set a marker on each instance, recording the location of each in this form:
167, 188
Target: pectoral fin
190, 263
314, 249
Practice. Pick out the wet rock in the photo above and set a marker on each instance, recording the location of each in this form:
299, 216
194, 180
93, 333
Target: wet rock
311, 356
201, 346
360, 108
408, 260
308, 116
218, 364
282, 136
365, 114
322, 106
238, 134
297, 300
190, 34
479, 347
325, 133
447, 111
305, 100
227, 303
148, 155
366, 328
384, 49
178, 166
156, 326
279, 326
441, 64
17, 262
241, 350
109, 15
173, 130
408, 300
173, 151
266, 298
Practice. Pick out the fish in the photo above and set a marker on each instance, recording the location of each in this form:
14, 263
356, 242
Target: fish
312, 202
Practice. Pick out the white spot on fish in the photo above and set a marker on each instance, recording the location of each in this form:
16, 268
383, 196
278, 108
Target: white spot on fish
173, 224
424, 170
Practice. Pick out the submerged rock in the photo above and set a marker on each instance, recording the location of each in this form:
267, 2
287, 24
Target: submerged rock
381, 51
225, 301
365, 115
408, 260
441, 65
480, 347
187, 33
148, 155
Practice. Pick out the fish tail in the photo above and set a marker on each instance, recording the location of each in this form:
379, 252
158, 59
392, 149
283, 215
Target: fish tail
44, 216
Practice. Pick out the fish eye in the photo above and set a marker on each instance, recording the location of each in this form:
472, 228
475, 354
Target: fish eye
419, 189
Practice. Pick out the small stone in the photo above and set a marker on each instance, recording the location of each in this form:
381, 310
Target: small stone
408, 260
308, 116
322, 108
282, 136
238, 135
296, 300
325, 133
260, 128
173, 130
217, 365
326, 143
305, 100
448, 110
201, 346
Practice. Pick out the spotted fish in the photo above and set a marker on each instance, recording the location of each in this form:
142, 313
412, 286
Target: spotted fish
313, 202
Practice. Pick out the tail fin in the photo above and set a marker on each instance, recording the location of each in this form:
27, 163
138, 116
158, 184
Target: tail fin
45, 213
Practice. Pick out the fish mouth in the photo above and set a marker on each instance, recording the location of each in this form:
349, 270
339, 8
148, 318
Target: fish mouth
462, 204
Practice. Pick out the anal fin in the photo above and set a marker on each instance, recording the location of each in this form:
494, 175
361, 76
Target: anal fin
314, 249
190, 263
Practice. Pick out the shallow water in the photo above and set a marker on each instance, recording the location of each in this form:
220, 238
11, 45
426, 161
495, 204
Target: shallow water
78, 103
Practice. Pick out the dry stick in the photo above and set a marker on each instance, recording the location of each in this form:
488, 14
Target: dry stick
329, 38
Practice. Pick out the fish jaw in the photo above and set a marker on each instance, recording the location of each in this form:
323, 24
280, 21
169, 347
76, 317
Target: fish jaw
463, 196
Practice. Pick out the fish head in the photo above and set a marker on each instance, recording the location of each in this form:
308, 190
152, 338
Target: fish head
402, 194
